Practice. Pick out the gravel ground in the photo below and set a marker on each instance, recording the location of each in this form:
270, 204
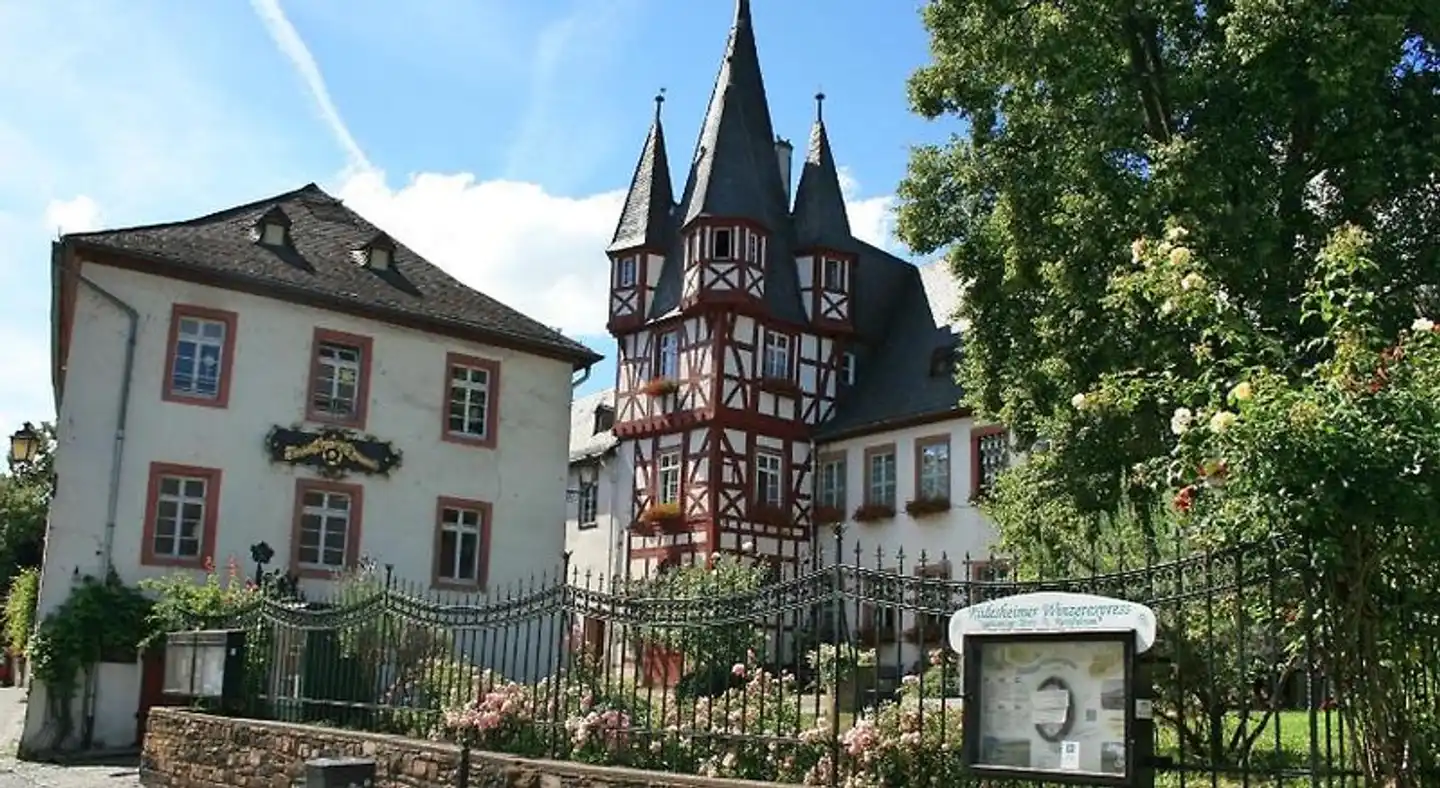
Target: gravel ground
19, 774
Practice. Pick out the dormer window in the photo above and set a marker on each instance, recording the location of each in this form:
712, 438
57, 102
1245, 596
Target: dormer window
832, 277
722, 244
380, 253
943, 361
604, 418
274, 228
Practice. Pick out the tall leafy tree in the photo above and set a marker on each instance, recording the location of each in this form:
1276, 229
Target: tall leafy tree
1259, 127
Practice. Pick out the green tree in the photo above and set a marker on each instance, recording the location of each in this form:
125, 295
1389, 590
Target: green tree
1261, 127
25, 494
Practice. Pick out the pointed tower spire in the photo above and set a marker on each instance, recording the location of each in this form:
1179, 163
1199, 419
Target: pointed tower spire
733, 172
820, 215
645, 219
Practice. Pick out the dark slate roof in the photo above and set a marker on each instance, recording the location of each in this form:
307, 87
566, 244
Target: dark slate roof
322, 263
645, 219
820, 215
892, 373
734, 172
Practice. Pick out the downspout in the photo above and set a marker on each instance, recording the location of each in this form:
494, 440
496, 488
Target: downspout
112, 501
816, 543
584, 376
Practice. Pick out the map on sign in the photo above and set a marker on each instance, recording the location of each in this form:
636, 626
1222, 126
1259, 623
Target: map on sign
1053, 706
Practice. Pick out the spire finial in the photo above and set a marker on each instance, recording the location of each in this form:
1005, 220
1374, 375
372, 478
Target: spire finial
659, 100
820, 106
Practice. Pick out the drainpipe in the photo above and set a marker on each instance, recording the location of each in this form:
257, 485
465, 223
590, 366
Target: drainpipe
584, 376
117, 453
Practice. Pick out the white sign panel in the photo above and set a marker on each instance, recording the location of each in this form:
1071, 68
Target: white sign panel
1049, 612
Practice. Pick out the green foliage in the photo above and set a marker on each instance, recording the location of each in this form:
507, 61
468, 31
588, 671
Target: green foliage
20, 605
837, 664
1262, 127
181, 603
25, 494
710, 592
101, 619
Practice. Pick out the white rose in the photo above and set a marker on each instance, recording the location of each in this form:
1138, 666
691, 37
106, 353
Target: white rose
1078, 402
1222, 420
1192, 281
1180, 256
1176, 233
1137, 250
1422, 324
1181, 420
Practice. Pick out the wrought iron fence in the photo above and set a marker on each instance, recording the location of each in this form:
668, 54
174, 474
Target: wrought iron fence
839, 673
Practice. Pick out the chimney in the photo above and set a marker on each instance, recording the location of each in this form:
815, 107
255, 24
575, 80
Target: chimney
784, 151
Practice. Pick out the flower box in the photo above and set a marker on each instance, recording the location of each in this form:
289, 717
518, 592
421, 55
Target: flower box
828, 515
659, 387
769, 514
780, 386
870, 512
923, 507
659, 518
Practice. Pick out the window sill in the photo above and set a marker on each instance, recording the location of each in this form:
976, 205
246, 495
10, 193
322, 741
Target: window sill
172, 562
872, 512
464, 586
195, 399
317, 572
354, 423
466, 439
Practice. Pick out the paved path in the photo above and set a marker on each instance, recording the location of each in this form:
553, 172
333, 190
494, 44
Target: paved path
19, 774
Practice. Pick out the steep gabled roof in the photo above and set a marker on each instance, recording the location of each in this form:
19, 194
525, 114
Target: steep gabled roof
733, 172
317, 265
820, 215
645, 219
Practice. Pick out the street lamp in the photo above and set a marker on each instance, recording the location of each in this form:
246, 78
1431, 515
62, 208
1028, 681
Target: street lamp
24, 444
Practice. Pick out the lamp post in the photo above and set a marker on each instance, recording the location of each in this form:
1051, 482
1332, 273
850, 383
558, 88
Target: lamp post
588, 474
261, 553
25, 444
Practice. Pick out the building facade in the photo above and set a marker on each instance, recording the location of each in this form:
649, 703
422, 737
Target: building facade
283, 373
759, 340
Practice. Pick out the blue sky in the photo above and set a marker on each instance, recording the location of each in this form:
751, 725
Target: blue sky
494, 136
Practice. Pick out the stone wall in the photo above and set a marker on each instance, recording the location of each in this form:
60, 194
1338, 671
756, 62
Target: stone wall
185, 749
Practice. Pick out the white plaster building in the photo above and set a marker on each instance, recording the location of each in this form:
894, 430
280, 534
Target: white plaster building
189, 356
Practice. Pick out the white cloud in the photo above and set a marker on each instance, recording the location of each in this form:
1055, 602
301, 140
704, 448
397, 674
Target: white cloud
77, 215
538, 252
872, 219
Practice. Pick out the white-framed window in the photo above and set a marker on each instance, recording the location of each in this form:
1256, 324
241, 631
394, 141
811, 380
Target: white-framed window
832, 275
468, 413
461, 545
776, 362
669, 467
180, 516
667, 355
752, 246
589, 505
832, 483
272, 234
992, 455
336, 389
880, 481
627, 270
847, 368
722, 243
325, 518
934, 459
767, 479
199, 357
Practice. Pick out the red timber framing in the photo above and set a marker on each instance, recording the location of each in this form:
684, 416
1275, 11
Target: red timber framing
634, 273
827, 279
724, 262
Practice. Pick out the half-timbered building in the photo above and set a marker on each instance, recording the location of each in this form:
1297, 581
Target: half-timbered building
758, 337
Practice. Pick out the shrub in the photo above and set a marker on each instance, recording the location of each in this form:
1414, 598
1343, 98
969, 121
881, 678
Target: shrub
20, 609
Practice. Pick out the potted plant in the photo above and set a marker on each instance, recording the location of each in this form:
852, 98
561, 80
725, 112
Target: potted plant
921, 507
870, 512
660, 387
659, 517
844, 673
828, 515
